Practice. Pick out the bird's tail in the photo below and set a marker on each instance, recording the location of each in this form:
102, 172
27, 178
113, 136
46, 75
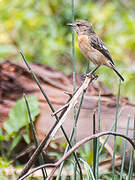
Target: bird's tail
113, 67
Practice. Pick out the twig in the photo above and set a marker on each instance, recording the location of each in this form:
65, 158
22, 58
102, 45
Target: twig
62, 108
77, 93
71, 136
24, 152
71, 103
83, 141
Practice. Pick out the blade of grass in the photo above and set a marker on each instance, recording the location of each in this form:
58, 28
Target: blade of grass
130, 170
73, 51
115, 129
97, 154
91, 176
41, 160
74, 79
124, 150
88, 67
106, 138
94, 145
49, 103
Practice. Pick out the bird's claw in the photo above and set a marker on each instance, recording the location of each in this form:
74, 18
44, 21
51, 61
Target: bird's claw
91, 75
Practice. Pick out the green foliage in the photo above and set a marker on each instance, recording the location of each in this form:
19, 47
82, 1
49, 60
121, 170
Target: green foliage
39, 29
18, 119
108, 176
14, 142
18, 116
3, 163
86, 154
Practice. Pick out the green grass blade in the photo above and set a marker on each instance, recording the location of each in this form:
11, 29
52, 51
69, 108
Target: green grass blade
74, 76
89, 171
115, 129
88, 67
111, 129
130, 170
97, 155
73, 51
94, 145
41, 160
124, 150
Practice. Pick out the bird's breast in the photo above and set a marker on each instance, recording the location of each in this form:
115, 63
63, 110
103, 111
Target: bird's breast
89, 52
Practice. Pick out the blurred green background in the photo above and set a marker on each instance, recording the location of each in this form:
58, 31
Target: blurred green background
38, 28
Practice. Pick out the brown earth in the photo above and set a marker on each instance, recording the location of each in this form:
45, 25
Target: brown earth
15, 79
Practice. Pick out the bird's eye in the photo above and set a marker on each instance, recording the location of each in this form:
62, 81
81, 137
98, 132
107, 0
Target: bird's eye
78, 25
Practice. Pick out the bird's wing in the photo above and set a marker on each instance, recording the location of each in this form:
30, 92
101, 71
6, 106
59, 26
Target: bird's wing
98, 44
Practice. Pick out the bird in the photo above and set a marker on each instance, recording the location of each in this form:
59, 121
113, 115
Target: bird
92, 47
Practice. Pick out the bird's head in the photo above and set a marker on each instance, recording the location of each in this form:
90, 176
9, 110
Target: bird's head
82, 27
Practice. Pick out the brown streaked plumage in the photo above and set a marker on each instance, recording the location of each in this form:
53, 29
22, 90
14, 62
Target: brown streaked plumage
92, 46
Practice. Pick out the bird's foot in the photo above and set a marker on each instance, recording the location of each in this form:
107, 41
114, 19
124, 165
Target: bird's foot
91, 75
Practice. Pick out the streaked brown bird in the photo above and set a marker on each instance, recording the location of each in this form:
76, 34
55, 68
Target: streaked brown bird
92, 47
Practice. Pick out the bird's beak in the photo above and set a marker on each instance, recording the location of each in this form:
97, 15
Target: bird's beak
70, 24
